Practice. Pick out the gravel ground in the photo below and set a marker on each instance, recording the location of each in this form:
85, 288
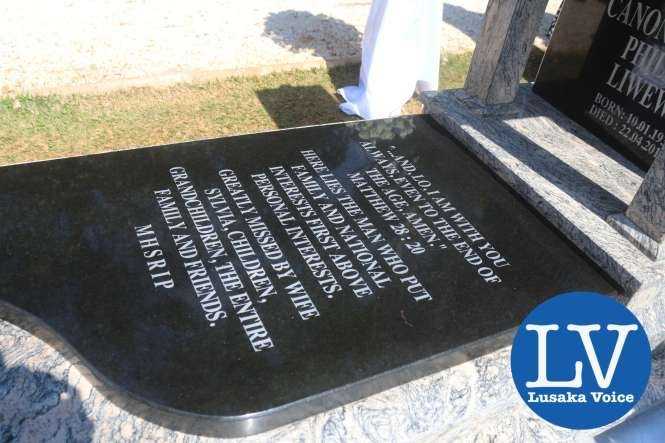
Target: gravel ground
95, 45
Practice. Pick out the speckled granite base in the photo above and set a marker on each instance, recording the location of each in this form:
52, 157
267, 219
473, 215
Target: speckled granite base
567, 174
644, 220
571, 177
653, 249
45, 398
647, 210
505, 110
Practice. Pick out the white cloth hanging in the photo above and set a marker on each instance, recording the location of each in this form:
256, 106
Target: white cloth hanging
400, 52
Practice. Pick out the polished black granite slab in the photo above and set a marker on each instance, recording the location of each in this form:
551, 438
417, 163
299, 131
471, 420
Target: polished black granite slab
228, 286
605, 68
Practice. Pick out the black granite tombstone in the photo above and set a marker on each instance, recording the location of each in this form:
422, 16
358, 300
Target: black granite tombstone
605, 68
228, 286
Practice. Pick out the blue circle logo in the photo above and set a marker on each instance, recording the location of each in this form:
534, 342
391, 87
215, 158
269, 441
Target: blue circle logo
581, 360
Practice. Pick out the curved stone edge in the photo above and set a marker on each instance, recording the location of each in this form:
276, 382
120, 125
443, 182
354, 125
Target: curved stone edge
250, 424
44, 397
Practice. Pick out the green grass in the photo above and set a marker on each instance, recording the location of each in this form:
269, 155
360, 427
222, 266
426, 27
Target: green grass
35, 128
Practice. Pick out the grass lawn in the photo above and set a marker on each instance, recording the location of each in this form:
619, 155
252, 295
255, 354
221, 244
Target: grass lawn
36, 128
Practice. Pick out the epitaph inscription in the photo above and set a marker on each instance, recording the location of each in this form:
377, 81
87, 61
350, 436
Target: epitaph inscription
610, 74
256, 274
342, 249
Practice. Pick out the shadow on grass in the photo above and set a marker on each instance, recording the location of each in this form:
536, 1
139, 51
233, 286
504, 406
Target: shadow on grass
293, 106
303, 105
345, 75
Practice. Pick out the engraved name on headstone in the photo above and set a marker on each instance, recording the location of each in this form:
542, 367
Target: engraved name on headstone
605, 68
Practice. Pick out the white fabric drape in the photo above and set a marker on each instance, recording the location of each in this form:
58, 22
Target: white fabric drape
400, 51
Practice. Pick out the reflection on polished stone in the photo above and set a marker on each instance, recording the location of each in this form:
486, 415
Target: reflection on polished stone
229, 286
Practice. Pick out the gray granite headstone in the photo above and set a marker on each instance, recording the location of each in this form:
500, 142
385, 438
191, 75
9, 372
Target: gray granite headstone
644, 221
501, 54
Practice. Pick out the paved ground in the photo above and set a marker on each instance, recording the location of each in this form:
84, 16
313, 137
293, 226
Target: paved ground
92, 45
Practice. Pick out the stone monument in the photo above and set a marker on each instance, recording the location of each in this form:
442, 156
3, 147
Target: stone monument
576, 144
584, 180
605, 69
198, 284
607, 74
342, 282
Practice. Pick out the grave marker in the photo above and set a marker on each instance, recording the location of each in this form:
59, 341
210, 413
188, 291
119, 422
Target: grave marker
229, 286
